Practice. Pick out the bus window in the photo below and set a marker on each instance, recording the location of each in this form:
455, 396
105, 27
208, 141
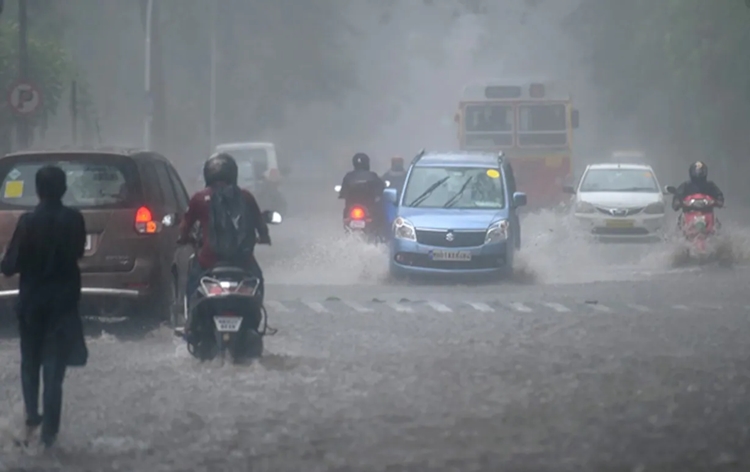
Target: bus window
542, 125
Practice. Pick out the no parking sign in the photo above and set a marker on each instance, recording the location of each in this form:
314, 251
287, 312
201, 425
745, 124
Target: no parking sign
24, 98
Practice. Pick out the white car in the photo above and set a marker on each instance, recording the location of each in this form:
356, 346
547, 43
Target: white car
620, 201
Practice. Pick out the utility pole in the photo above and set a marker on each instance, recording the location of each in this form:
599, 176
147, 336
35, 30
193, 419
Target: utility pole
23, 69
149, 97
212, 111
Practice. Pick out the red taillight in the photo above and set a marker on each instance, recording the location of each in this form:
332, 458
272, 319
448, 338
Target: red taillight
357, 213
144, 221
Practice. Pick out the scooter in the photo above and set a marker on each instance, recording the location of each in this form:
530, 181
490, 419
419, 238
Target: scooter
697, 222
358, 220
225, 315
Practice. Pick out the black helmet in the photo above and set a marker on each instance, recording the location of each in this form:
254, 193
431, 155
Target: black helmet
361, 161
220, 168
698, 172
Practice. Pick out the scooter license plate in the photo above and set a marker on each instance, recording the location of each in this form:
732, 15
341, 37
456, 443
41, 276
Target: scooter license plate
357, 224
227, 324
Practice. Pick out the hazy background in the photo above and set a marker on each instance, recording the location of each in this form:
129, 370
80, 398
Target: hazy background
326, 78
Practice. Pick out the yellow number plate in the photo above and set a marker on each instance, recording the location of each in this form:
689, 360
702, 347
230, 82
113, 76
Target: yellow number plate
620, 223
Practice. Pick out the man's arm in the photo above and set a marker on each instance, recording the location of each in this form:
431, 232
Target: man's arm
263, 236
14, 254
344, 192
191, 216
79, 235
717, 194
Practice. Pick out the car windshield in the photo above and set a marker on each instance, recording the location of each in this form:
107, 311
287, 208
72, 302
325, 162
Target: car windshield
455, 187
619, 180
93, 182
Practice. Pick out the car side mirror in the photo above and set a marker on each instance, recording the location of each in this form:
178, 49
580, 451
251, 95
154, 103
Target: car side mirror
337, 188
391, 195
519, 199
669, 189
575, 117
569, 189
457, 116
272, 217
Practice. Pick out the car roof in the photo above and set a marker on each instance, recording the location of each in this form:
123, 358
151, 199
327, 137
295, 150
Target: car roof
458, 159
135, 153
615, 166
247, 145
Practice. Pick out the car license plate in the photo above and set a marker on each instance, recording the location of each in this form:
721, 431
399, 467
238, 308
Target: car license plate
620, 223
227, 324
463, 256
88, 245
357, 224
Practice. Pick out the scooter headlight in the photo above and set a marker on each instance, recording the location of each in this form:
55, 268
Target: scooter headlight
403, 229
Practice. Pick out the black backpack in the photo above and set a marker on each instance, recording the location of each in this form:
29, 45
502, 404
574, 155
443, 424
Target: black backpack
231, 231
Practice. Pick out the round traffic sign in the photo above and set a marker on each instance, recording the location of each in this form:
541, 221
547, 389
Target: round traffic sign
24, 98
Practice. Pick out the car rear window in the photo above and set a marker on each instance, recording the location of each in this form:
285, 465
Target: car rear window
94, 180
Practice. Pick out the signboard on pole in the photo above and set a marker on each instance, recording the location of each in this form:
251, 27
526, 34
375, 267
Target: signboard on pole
24, 98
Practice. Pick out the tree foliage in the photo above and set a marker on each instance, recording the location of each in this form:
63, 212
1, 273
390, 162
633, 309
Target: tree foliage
680, 67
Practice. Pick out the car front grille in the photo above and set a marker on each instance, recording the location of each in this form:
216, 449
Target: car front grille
620, 212
440, 238
476, 262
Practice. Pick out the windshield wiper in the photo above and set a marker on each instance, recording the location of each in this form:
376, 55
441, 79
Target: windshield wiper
428, 192
451, 201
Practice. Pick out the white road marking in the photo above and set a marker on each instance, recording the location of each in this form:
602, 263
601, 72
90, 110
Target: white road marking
316, 307
359, 308
401, 308
276, 306
520, 307
680, 307
601, 308
641, 308
480, 307
439, 307
557, 307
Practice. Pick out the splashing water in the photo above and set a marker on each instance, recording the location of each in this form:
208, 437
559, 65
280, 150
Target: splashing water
330, 257
554, 250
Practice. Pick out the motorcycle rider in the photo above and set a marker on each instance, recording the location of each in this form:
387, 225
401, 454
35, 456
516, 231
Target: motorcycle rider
396, 175
244, 226
362, 186
698, 183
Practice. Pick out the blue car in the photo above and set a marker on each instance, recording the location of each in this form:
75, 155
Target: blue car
456, 214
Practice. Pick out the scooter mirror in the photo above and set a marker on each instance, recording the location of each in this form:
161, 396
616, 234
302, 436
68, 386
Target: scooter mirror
275, 218
272, 217
670, 189
337, 188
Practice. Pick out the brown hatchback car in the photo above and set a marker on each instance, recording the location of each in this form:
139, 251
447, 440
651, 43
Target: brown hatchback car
132, 201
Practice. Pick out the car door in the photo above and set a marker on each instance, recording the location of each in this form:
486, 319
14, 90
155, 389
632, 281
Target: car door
182, 253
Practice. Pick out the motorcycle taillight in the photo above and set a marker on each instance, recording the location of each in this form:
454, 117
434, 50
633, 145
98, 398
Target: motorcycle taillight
357, 213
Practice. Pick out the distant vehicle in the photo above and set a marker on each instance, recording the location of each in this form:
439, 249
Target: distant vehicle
629, 157
531, 122
455, 215
132, 202
619, 201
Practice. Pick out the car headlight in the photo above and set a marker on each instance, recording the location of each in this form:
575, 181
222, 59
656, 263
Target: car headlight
654, 209
497, 232
403, 229
585, 207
